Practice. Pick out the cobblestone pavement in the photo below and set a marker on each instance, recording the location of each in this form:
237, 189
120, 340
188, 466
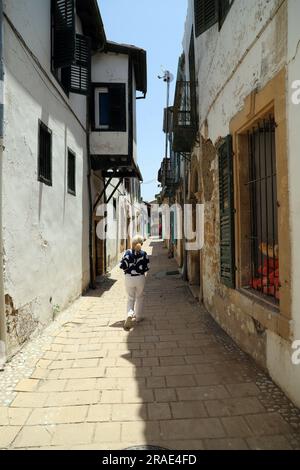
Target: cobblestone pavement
176, 380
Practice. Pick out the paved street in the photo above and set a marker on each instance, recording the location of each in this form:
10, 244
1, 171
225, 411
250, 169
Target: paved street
175, 381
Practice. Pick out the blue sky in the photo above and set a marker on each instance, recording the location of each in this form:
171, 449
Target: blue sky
156, 26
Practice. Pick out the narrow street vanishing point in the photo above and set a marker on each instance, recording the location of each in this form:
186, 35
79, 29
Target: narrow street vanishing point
176, 381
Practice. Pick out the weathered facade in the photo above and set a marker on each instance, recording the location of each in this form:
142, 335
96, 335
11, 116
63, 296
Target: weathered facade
240, 60
54, 174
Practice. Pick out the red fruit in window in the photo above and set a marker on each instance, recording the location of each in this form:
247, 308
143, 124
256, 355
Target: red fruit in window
277, 282
269, 290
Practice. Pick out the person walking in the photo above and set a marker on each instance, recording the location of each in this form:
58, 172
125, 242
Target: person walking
135, 264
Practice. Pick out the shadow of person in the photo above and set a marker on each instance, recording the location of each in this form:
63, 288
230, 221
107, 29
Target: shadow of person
146, 394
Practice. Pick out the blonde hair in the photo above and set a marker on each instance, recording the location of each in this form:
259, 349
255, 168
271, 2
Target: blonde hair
137, 242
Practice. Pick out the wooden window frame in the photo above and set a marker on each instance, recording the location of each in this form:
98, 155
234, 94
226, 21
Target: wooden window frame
227, 211
58, 72
96, 123
272, 97
70, 190
43, 178
73, 75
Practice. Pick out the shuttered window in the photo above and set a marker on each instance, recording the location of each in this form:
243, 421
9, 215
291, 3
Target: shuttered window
71, 173
117, 108
227, 247
63, 32
77, 77
45, 155
71, 52
206, 15
110, 107
80, 72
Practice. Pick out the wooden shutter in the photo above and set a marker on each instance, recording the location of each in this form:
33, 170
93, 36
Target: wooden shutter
63, 12
45, 155
77, 77
227, 245
71, 173
117, 102
224, 7
206, 14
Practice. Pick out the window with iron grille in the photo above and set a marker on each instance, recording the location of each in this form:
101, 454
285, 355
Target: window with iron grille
206, 15
263, 227
71, 52
45, 155
71, 172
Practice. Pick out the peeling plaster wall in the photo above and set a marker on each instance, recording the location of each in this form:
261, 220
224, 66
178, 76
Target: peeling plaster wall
32, 19
279, 351
110, 68
219, 53
249, 50
45, 228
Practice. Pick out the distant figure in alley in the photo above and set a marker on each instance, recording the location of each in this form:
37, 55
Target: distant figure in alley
135, 264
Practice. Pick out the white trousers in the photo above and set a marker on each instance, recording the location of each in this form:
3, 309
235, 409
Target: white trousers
135, 290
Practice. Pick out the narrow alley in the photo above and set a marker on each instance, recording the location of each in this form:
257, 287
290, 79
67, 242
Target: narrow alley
176, 381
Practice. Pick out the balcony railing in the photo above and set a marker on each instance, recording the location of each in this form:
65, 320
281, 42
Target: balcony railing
169, 174
184, 116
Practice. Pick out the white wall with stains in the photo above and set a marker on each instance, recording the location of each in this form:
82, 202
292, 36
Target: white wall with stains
235, 60
45, 229
279, 351
249, 50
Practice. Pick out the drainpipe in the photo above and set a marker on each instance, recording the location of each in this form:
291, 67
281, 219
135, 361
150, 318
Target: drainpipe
2, 304
91, 204
184, 274
89, 178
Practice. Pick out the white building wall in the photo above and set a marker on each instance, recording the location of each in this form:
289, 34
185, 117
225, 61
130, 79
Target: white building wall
279, 352
32, 20
251, 48
45, 229
110, 68
235, 60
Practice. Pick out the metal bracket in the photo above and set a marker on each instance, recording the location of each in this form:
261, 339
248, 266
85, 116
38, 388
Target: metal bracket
102, 192
115, 189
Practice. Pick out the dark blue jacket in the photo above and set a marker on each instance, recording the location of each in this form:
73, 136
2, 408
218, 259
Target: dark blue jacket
135, 263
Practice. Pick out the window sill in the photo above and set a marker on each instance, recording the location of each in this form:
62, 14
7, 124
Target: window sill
100, 129
62, 87
44, 181
263, 300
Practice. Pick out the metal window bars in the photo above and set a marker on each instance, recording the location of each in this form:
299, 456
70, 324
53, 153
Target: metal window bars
263, 237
